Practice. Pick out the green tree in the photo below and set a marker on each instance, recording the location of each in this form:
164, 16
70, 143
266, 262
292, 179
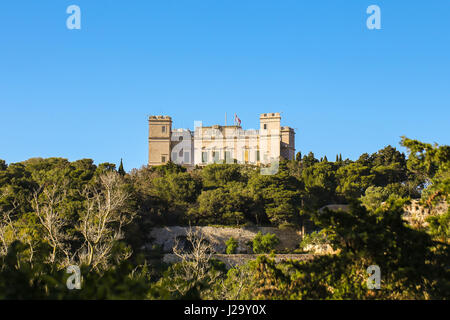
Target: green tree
264, 243
217, 175
374, 196
121, 170
309, 160
279, 195
320, 184
232, 245
227, 205
3, 165
353, 179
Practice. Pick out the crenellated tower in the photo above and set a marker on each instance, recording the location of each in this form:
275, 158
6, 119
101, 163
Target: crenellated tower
159, 135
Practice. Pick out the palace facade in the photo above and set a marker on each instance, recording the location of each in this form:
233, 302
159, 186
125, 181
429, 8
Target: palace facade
219, 144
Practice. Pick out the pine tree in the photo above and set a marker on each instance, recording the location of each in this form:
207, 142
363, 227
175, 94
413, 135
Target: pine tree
121, 170
325, 159
337, 158
340, 157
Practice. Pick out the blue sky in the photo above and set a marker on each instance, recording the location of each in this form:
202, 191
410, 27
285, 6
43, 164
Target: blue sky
345, 89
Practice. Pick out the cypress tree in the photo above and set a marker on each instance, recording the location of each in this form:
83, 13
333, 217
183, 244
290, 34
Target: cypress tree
325, 159
121, 170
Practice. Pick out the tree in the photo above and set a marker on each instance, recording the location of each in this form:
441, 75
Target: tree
388, 165
46, 203
176, 188
298, 156
121, 171
264, 243
374, 196
413, 266
426, 161
309, 160
3, 165
353, 180
430, 165
216, 175
226, 205
280, 195
39, 279
194, 272
102, 223
232, 245
8, 230
320, 184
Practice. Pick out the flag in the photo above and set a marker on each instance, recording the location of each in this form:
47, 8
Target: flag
237, 120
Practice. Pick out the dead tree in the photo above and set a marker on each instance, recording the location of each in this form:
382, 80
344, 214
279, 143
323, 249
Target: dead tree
8, 232
194, 263
102, 223
45, 202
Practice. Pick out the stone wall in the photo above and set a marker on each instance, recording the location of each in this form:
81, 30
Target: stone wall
217, 236
231, 260
416, 214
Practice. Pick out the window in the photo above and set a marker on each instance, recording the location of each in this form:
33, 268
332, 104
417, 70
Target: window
163, 128
227, 156
187, 158
216, 156
204, 157
257, 155
163, 159
265, 126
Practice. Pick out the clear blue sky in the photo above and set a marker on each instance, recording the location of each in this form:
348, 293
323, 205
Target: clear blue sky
345, 89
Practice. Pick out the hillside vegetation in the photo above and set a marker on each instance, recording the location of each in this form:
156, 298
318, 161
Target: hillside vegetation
55, 213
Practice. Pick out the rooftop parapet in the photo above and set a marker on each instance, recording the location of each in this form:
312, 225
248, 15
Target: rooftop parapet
270, 115
160, 118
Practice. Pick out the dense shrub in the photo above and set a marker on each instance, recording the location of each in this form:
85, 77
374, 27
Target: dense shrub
264, 243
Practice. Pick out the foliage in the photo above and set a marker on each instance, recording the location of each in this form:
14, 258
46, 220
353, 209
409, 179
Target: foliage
232, 245
264, 243
54, 213
316, 238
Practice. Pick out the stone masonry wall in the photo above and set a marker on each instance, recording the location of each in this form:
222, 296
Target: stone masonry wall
416, 214
232, 260
217, 236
